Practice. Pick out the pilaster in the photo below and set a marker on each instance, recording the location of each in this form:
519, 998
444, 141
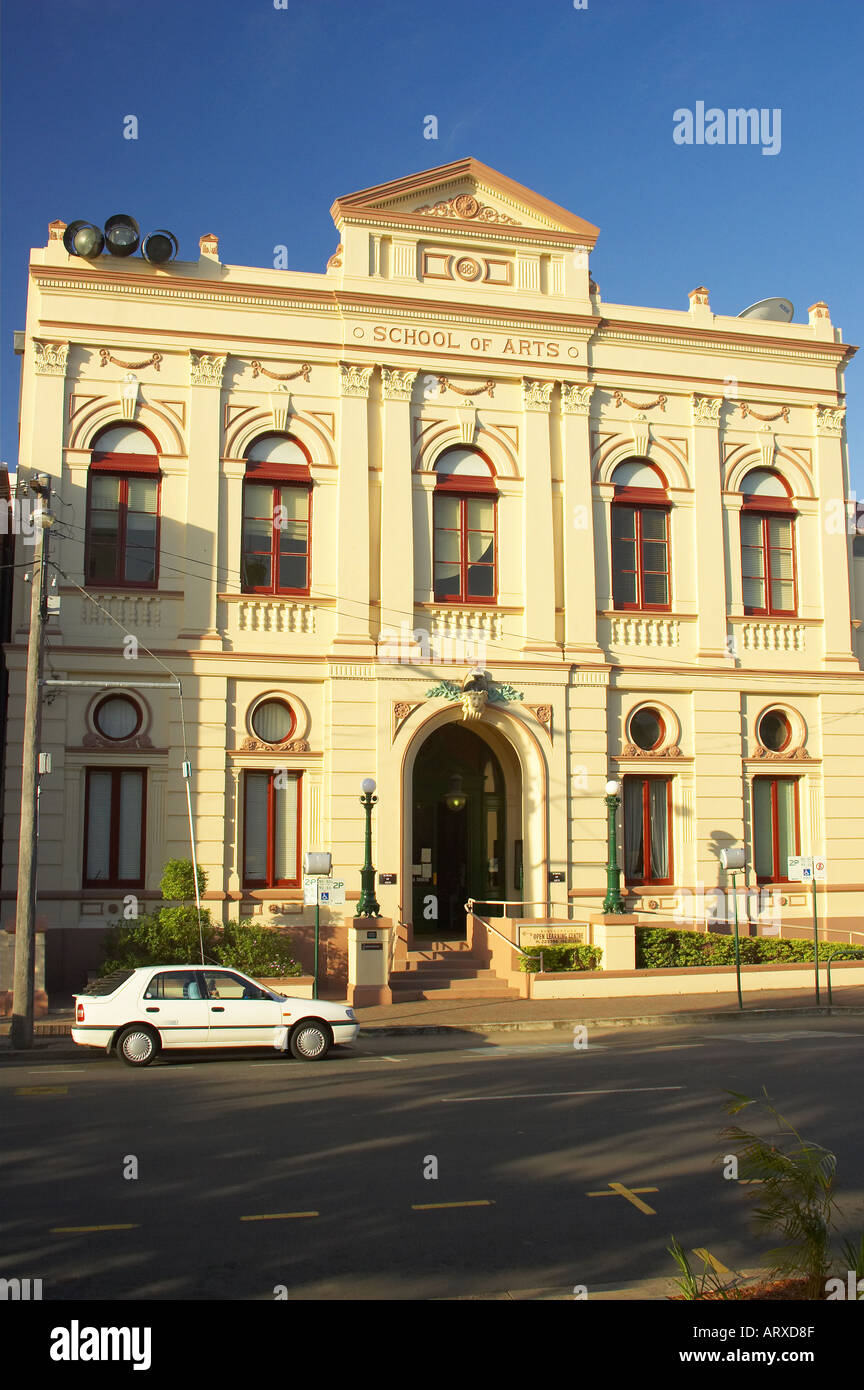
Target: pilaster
538, 553
708, 520
352, 541
580, 589
836, 564
202, 498
397, 526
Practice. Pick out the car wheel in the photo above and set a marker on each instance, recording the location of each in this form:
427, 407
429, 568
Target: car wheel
138, 1045
310, 1041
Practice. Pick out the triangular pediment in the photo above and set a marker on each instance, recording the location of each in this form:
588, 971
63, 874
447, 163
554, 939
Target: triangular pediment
464, 196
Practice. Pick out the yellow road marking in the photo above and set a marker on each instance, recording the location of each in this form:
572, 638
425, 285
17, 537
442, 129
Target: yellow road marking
617, 1189
437, 1206
41, 1090
712, 1261
280, 1216
80, 1230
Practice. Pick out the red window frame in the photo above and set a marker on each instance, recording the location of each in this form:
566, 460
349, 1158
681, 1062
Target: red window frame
472, 490
775, 826
754, 507
112, 881
271, 881
278, 481
633, 499
644, 878
124, 467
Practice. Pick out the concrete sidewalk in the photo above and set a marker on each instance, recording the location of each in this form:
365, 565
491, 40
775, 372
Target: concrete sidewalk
505, 1015
536, 1015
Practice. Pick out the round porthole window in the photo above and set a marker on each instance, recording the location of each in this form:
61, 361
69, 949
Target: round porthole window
272, 721
647, 729
117, 717
774, 731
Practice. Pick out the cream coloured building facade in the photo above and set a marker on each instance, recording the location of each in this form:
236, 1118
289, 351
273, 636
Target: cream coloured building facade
323, 500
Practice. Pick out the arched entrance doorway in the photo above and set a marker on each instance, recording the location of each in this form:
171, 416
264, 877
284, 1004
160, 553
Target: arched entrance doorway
462, 844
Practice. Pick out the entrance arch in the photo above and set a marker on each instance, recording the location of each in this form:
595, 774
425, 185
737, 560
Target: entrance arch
463, 811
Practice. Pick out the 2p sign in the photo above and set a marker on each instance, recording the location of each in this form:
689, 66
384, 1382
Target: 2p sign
806, 868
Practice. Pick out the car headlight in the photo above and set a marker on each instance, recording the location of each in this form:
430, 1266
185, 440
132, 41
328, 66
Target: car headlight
349, 1013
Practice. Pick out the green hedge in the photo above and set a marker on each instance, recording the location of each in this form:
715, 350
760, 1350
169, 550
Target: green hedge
564, 957
659, 948
170, 937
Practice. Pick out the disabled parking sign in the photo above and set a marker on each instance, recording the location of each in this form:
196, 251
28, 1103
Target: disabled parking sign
330, 891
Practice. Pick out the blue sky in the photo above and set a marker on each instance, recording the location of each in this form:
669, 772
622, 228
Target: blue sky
252, 119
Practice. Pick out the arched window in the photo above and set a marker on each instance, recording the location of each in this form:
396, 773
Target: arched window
640, 537
122, 545
767, 545
277, 499
464, 525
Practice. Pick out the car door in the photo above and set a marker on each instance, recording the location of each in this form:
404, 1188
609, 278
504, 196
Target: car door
240, 1014
174, 1001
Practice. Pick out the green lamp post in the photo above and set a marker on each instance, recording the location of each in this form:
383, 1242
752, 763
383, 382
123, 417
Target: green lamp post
613, 902
368, 904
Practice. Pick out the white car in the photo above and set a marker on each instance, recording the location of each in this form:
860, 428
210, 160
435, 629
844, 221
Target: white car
138, 1013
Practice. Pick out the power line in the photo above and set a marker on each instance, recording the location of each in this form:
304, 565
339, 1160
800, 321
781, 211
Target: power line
408, 614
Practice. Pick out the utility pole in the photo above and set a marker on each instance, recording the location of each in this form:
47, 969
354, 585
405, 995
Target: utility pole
21, 1032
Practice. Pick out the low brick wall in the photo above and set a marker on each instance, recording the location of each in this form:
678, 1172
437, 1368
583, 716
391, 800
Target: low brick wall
715, 979
300, 986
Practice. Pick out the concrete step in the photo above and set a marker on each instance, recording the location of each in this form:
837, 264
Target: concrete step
439, 955
443, 971
414, 995
438, 986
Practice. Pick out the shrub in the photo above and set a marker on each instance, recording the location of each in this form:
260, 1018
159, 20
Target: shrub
655, 948
257, 950
170, 936
178, 881
659, 948
570, 956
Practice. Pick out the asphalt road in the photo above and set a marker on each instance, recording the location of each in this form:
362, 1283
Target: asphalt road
257, 1172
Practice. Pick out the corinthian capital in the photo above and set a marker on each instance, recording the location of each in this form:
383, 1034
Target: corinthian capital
706, 409
51, 358
536, 394
829, 419
575, 400
206, 368
397, 385
354, 380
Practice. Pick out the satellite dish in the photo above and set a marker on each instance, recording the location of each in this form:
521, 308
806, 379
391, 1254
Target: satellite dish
772, 310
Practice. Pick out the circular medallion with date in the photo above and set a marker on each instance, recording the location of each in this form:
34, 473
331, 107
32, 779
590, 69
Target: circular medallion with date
467, 268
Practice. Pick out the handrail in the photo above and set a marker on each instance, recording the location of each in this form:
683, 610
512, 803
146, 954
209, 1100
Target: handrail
520, 902
469, 908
